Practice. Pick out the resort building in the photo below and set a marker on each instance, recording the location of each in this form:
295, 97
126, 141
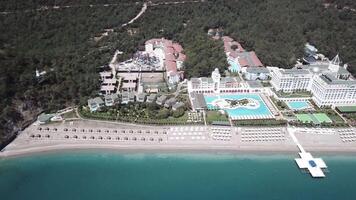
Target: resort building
330, 84
160, 101
95, 104
172, 55
170, 102
255, 73
105, 75
328, 90
177, 105
128, 82
151, 98
108, 89
289, 80
141, 97
127, 97
237, 57
215, 84
108, 83
111, 99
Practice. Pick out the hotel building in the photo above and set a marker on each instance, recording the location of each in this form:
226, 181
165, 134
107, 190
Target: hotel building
330, 84
215, 84
289, 80
330, 91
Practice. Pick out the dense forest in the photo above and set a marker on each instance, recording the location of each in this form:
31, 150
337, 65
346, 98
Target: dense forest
33, 36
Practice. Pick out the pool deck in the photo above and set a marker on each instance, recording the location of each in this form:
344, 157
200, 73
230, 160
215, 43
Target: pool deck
260, 98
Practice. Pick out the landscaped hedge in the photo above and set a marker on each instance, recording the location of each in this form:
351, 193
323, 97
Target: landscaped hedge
260, 122
104, 116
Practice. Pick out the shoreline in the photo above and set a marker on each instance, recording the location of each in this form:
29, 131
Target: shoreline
177, 149
85, 135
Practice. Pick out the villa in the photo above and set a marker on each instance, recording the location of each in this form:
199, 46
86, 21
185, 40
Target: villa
95, 104
127, 97
160, 101
151, 98
140, 97
111, 99
177, 105
170, 102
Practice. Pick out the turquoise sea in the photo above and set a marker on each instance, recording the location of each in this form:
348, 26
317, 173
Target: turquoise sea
106, 175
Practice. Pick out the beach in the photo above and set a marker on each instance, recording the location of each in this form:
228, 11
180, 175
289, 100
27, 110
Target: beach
85, 134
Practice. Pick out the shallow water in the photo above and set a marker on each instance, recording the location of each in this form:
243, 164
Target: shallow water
105, 175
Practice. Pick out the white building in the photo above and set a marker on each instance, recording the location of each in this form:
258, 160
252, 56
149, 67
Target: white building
217, 84
289, 80
111, 99
328, 90
95, 104
255, 73
330, 84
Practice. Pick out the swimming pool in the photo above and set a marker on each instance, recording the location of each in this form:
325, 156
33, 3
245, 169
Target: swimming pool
259, 112
298, 105
234, 66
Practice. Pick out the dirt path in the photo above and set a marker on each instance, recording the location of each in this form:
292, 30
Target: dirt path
143, 10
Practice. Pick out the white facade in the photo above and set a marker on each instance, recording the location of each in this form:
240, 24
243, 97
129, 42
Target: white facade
329, 91
330, 85
254, 76
289, 80
218, 84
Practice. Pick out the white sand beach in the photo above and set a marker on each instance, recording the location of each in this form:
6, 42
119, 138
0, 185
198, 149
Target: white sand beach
84, 134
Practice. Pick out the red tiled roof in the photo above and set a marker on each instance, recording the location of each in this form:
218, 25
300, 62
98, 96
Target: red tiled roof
170, 57
249, 59
168, 50
239, 47
177, 47
243, 62
171, 66
168, 43
233, 54
256, 60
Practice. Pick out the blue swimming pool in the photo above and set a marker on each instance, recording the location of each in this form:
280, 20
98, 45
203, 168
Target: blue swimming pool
234, 66
241, 112
298, 105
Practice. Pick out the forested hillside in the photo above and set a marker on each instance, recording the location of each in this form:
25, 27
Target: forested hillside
59, 42
34, 34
